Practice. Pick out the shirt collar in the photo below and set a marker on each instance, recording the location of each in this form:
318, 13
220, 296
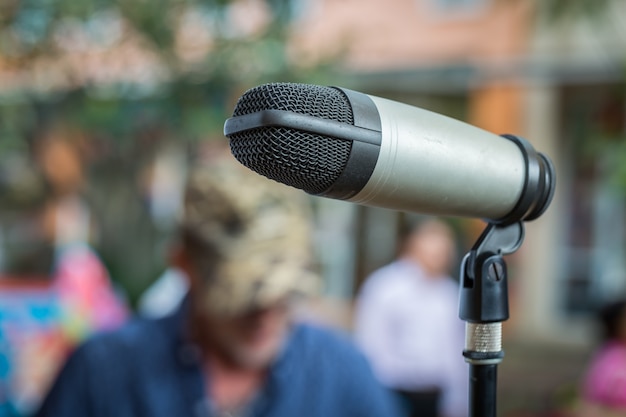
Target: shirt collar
189, 354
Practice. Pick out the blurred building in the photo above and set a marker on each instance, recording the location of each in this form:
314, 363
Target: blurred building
502, 65
507, 67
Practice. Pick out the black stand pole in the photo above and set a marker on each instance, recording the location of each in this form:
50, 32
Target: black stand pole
483, 382
484, 305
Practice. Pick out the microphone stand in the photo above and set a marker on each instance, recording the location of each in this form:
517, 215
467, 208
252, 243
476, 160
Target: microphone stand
484, 305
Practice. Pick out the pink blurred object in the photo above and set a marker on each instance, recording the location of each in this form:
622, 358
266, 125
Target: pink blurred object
87, 299
605, 382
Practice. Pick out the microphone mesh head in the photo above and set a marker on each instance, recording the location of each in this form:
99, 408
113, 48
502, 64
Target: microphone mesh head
304, 160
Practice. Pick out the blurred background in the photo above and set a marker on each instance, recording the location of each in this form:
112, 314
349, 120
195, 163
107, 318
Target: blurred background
104, 103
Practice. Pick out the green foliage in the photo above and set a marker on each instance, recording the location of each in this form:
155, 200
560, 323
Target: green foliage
125, 121
31, 30
563, 10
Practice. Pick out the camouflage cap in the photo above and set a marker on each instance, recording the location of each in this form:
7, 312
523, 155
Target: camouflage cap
259, 232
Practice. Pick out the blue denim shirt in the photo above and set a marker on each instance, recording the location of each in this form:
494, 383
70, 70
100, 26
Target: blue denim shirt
146, 369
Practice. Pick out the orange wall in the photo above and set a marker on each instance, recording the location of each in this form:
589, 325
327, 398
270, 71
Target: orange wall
376, 35
498, 108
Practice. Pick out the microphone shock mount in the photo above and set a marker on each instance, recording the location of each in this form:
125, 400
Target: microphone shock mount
484, 306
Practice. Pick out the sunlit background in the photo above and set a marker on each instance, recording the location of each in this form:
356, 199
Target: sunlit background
103, 105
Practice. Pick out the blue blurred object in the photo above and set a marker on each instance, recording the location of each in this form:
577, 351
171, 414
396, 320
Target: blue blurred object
32, 345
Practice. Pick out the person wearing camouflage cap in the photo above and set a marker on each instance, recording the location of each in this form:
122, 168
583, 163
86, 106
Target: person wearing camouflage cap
248, 237
233, 348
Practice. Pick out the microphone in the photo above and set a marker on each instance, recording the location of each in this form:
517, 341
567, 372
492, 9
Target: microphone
342, 144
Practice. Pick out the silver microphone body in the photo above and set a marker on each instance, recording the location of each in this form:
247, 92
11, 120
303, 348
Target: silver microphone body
429, 163
338, 143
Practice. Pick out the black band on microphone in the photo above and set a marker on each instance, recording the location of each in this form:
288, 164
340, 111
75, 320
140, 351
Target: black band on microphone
363, 155
538, 188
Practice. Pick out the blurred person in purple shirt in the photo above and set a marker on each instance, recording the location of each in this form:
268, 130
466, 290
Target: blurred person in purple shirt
232, 348
407, 324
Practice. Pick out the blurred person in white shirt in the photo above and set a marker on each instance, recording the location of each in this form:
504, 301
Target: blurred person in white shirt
407, 324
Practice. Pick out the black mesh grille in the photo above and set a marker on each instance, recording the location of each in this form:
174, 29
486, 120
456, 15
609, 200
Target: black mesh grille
300, 159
